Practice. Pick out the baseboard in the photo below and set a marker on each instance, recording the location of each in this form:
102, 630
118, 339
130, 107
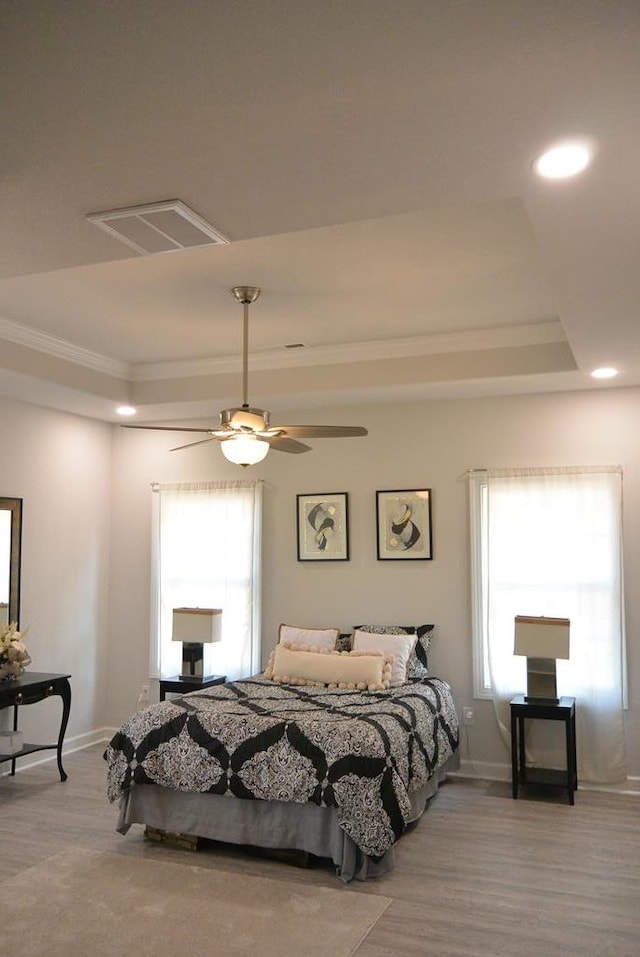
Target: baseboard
77, 742
81, 741
489, 771
482, 771
474, 770
630, 786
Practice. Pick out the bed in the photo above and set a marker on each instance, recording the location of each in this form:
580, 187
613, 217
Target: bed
335, 769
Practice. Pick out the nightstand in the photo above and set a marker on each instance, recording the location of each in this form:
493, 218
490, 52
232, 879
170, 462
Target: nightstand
564, 710
181, 684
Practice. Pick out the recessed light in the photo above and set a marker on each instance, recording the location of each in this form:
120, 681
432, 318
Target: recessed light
126, 410
562, 161
606, 372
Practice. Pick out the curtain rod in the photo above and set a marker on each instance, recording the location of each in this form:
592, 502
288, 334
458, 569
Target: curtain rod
195, 486
548, 469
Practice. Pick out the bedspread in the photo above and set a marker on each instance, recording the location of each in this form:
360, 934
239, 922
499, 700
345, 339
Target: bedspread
360, 752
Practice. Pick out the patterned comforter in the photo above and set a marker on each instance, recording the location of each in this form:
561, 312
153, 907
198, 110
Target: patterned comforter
362, 753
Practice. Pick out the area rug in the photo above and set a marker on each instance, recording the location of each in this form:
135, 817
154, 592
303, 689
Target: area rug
86, 903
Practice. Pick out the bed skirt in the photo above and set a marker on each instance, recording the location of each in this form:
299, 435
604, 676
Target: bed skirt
266, 824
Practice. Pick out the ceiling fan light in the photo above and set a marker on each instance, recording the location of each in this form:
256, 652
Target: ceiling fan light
244, 449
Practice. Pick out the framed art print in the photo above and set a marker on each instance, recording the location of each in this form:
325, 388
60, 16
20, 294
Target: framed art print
322, 527
404, 525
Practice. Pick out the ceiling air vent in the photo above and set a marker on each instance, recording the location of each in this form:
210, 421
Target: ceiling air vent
158, 228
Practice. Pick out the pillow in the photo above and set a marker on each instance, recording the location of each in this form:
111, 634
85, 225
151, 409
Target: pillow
347, 669
417, 666
399, 646
316, 638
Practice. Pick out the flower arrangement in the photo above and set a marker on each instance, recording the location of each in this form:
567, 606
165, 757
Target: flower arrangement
14, 656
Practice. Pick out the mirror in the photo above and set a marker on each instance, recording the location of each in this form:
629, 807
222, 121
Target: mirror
10, 543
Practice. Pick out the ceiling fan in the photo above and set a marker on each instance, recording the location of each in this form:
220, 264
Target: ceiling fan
245, 433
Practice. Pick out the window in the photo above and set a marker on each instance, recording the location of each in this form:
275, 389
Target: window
207, 555
549, 542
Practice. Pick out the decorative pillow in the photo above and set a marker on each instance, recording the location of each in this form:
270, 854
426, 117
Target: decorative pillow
315, 638
353, 670
418, 666
399, 646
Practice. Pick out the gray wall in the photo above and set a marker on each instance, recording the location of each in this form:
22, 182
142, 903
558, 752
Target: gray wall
428, 444
86, 549
60, 465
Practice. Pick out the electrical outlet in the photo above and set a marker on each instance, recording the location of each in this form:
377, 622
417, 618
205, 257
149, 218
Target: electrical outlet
467, 715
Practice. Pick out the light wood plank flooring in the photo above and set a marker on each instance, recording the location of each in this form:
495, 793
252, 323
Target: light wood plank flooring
480, 875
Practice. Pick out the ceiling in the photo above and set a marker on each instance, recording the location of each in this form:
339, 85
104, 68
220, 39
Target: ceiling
371, 165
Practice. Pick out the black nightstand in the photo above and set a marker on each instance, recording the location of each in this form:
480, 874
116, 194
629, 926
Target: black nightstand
564, 710
183, 685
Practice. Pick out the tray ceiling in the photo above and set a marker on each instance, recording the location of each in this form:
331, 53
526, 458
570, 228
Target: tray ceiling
371, 165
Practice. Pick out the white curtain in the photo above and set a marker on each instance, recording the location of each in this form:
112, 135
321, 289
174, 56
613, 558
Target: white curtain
554, 548
207, 554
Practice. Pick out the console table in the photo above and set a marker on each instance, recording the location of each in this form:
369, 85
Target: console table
29, 688
564, 710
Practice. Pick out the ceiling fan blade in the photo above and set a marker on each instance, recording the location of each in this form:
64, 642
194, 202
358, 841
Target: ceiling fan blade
190, 445
321, 431
280, 443
245, 420
164, 428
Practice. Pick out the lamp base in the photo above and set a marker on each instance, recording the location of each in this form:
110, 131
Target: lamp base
541, 681
192, 659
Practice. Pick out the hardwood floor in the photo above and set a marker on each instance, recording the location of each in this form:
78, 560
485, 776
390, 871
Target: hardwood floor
480, 875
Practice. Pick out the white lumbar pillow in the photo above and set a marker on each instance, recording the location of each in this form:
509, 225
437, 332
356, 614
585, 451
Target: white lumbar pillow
352, 670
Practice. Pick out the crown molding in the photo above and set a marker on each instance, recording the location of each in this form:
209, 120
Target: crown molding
62, 349
534, 333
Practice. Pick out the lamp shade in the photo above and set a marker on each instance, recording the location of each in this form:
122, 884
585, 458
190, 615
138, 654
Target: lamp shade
244, 449
541, 637
202, 625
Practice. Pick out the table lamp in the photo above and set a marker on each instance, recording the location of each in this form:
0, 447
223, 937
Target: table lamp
195, 627
542, 640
